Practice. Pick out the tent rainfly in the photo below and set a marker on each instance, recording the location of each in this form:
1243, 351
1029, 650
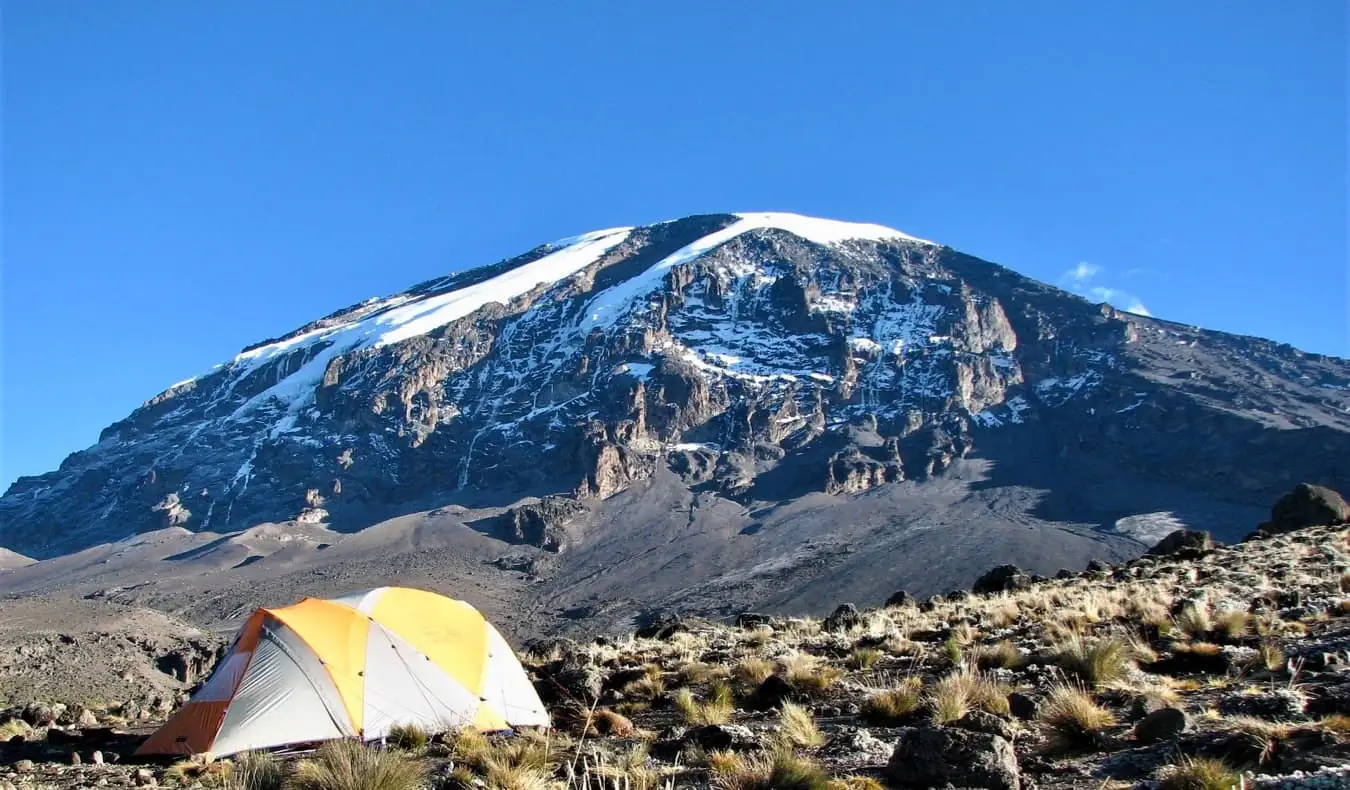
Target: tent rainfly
354, 667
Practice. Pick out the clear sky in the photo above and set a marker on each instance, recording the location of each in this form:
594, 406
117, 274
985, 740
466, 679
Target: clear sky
181, 179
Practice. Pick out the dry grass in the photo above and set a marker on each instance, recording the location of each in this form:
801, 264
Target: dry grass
605, 722
864, 657
1232, 626
955, 695
699, 672
1194, 620
1102, 661
753, 671
256, 771
648, 688
408, 736
1071, 719
797, 727
777, 770
717, 709
197, 770
1003, 655
855, 783
807, 672
888, 707
348, 765
14, 727
1200, 774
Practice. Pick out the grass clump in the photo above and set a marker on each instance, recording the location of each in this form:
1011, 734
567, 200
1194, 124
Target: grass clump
15, 727
1102, 661
408, 737
699, 672
797, 727
198, 770
646, 689
349, 765
894, 705
1200, 774
777, 770
806, 672
1071, 719
864, 657
1194, 620
1232, 626
1003, 655
605, 722
855, 783
717, 709
256, 771
753, 671
964, 690
1270, 656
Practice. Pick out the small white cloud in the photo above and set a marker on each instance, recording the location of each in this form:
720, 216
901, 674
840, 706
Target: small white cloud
1081, 279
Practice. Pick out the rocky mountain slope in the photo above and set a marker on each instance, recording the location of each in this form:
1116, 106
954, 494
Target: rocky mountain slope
1192, 667
770, 407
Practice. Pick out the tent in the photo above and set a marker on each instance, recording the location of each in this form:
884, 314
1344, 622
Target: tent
354, 666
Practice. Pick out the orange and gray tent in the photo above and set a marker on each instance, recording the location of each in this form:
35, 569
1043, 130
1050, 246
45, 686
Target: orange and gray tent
354, 667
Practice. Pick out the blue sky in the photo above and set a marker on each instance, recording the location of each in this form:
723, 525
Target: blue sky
182, 179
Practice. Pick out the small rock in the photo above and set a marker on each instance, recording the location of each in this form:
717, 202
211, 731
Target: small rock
980, 721
858, 747
1023, 706
722, 736
1064, 573
752, 620
662, 628
75, 758
25, 766
1097, 566
844, 618
771, 693
96, 758
143, 777
87, 718
936, 756
1163, 724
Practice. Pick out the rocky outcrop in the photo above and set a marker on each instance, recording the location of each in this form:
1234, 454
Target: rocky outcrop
540, 523
1004, 578
938, 756
1183, 544
1307, 506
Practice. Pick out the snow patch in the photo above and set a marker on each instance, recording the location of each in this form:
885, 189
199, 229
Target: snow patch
1149, 528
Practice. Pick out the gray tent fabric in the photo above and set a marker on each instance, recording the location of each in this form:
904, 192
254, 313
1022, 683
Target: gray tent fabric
285, 697
403, 686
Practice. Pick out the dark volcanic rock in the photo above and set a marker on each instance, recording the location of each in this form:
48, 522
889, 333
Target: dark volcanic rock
1004, 578
843, 618
1161, 725
937, 756
1183, 544
1306, 506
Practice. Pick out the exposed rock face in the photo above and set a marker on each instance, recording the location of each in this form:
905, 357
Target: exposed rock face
1183, 543
758, 357
1004, 578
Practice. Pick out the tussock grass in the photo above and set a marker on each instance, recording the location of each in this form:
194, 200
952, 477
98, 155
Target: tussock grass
1102, 661
864, 657
605, 722
888, 707
1071, 719
699, 672
1004, 655
753, 671
648, 688
1194, 620
807, 672
1232, 626
855, 783
717, 709
256, 771
797, 727
776, 770
964, 690
409, 737
348, 765
15, 727
1200, 774
201, 770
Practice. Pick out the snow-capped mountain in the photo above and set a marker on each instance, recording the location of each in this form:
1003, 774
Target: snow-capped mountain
754, 358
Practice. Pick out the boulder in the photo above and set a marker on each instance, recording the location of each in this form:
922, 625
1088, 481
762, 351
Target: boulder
937, 756
1307, 505
844, 618
1023, 706
1163, 724
1004, 578
900, 598
771, 693
1183, 544
980, 721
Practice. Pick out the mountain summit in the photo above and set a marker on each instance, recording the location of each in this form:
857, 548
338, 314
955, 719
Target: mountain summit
762, 372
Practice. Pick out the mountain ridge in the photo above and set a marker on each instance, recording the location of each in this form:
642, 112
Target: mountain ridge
769, 377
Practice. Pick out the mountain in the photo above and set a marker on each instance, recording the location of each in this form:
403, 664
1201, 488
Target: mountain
714, 412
